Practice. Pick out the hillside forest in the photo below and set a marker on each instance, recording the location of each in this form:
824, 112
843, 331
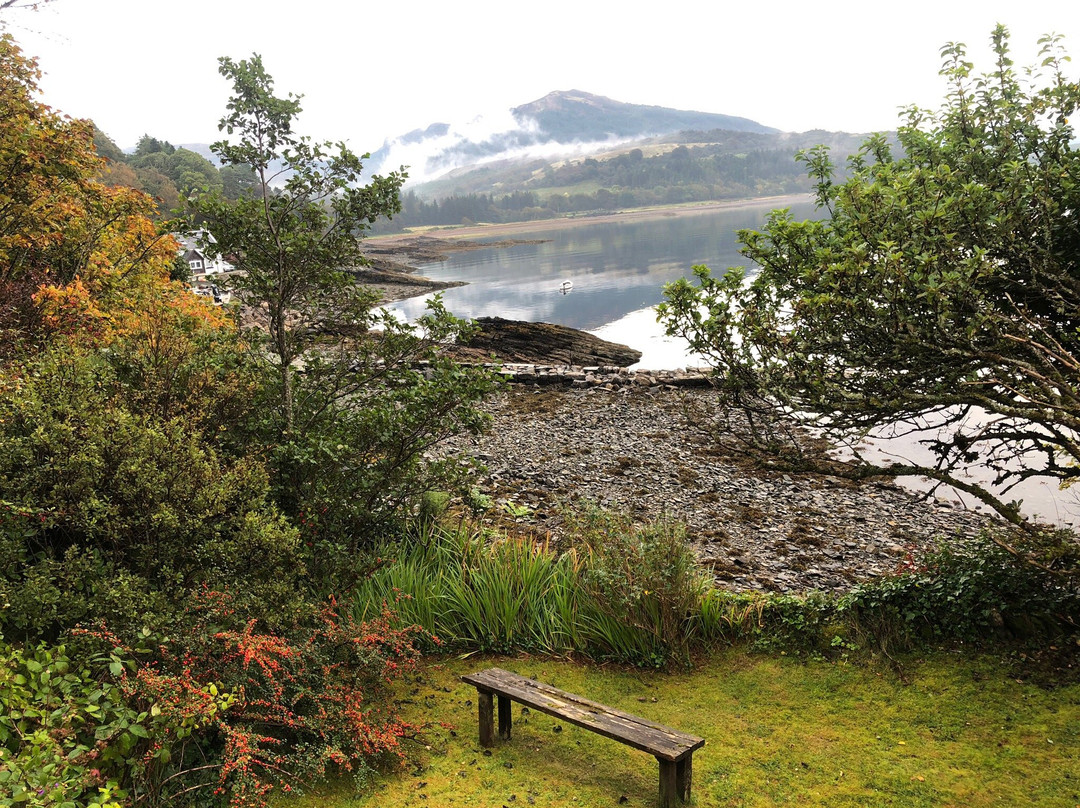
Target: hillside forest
685, 167
691, 166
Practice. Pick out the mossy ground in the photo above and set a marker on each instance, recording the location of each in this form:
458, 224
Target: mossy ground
779, 731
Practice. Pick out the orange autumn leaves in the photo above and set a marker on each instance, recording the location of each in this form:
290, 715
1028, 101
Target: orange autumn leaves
77, 258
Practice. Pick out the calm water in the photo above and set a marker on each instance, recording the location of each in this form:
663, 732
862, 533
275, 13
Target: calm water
616, 268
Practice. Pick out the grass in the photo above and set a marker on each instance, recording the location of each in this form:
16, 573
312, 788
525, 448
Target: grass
779, 731
625, 593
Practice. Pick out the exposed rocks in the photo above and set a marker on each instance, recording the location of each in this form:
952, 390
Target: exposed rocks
398, 281
646, 449
524, 342
608, 377
392, 270
427, 249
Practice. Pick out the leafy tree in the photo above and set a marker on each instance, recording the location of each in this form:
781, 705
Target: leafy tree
938, 294
76, 256
349, 431
237, 180
193, 172
151, 145
187, 170
160, 187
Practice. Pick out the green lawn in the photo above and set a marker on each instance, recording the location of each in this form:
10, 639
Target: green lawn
778, 731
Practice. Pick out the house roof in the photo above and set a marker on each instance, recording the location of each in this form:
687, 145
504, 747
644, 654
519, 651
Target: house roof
191, 241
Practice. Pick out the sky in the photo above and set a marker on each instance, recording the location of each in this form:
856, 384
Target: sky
369, 71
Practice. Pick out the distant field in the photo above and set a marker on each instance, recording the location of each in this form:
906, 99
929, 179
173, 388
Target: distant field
779, 732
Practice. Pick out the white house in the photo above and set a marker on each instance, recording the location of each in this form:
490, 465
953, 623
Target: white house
203, 260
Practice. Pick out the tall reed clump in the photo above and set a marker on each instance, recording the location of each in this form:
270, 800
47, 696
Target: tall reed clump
477, 594
625, 592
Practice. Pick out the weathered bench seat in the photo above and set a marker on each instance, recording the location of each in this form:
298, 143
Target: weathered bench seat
673, 750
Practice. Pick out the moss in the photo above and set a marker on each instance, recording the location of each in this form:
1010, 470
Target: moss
778, 732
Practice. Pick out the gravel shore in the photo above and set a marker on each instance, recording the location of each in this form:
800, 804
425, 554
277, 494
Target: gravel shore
645, 451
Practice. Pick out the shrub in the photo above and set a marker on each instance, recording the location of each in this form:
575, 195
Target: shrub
978, 595
222, 712
114, 510
49, 744
642, 588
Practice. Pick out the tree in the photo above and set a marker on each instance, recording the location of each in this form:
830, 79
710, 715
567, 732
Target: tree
237, 181
75, 255
938, 294
151, 145
349, 416
187, 170
292, 241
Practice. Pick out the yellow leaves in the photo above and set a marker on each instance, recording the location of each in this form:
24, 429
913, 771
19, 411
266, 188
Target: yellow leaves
87, 255
69, 309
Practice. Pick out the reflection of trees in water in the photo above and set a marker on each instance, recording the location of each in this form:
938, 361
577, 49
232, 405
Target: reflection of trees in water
616, 267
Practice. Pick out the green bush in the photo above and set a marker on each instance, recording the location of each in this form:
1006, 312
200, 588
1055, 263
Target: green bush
48, 730
642, 588
114, 512
100, 732
978, 595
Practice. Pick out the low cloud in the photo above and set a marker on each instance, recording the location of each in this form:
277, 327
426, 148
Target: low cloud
442, 148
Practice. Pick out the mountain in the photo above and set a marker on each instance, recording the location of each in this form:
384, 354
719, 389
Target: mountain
564, 122
575, 116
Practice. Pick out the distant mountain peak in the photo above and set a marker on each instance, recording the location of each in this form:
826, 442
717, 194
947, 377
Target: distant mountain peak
575, 115
556, 98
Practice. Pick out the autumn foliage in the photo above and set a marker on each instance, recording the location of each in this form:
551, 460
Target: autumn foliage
76, 257
155, 598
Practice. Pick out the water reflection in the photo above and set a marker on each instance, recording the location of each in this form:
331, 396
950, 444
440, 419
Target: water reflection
615, 267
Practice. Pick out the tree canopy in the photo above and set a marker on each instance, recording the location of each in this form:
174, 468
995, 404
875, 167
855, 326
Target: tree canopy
349, 414
938, 293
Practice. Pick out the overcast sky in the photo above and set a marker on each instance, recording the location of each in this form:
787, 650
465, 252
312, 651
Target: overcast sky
372, 70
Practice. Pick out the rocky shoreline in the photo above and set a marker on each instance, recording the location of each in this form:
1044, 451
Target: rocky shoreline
644, 446
641, 442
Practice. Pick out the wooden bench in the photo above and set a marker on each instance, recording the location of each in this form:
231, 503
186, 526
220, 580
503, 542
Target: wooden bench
673, 750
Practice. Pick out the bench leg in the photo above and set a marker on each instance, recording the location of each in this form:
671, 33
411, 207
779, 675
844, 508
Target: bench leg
684, 774
487, 722
504, 717
668, 783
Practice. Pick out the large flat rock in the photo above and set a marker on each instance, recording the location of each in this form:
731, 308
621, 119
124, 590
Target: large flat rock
519, 341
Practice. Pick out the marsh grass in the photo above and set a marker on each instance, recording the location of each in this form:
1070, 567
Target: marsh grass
627, 593
964, 732
476, 594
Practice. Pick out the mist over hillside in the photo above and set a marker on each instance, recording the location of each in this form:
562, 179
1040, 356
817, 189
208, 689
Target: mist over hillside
562, 123
568, 152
